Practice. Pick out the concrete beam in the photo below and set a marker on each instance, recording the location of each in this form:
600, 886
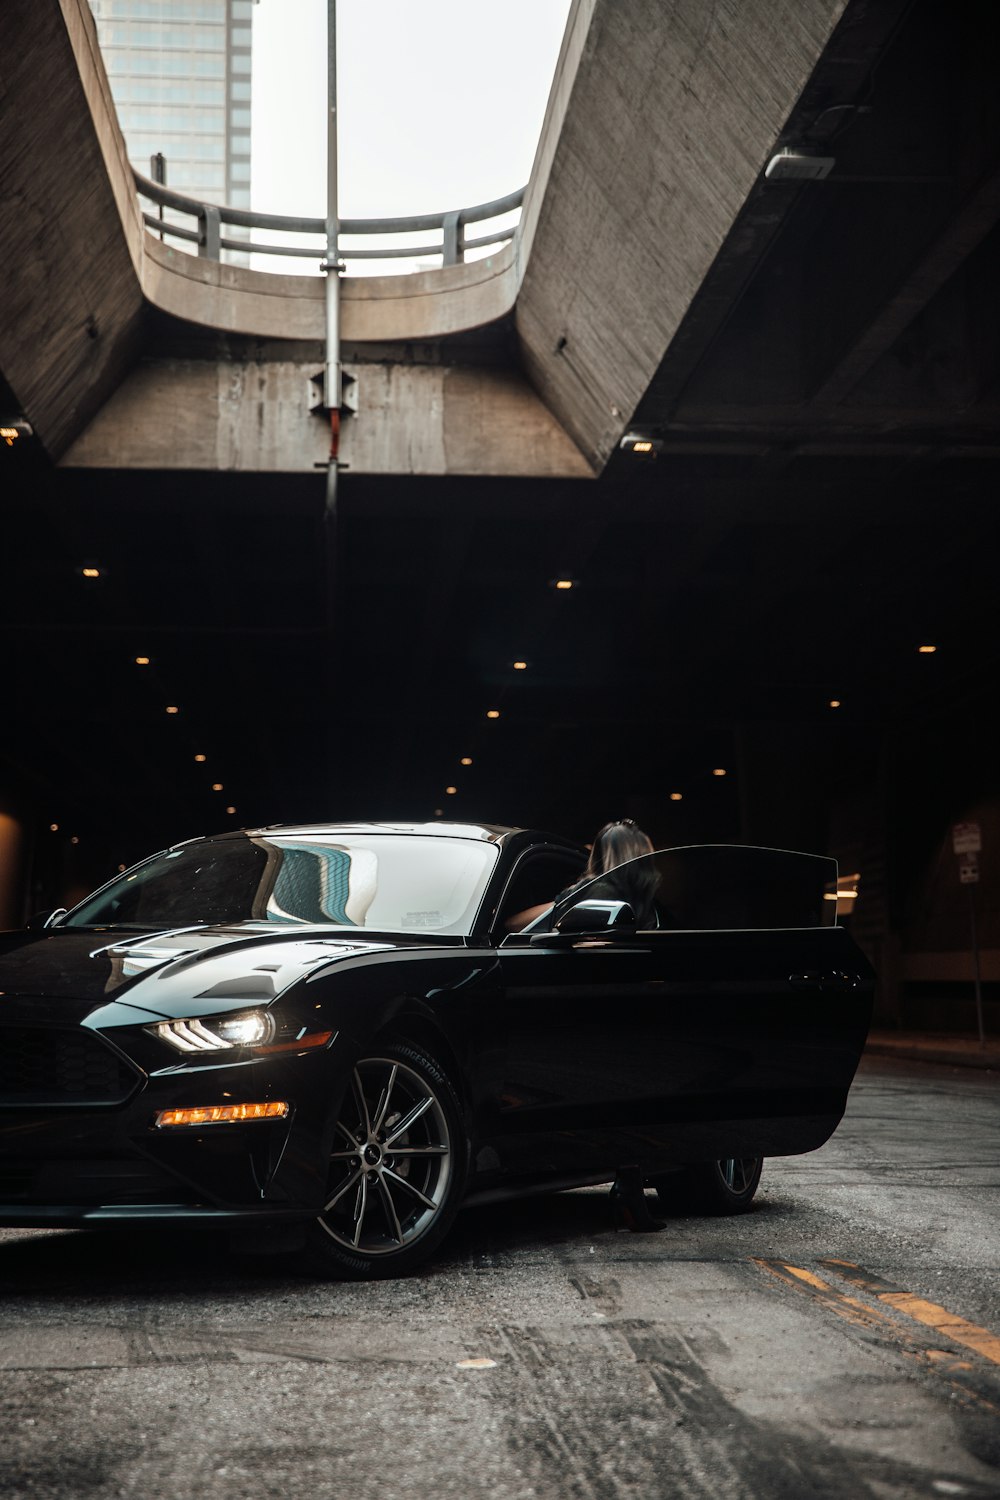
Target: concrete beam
71, 312
374, 309
660, 122
970, 226
253, 417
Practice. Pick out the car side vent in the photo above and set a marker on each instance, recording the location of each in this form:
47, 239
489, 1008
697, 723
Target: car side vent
49, 1065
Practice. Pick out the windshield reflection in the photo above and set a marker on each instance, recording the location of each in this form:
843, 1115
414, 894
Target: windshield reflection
391, 883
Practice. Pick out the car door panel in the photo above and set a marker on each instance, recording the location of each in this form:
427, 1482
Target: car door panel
671, 1046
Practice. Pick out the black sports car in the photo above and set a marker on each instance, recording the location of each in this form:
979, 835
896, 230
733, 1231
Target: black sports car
328, 1033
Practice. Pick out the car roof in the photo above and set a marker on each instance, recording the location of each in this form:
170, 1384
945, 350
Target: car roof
501, 835
482, 832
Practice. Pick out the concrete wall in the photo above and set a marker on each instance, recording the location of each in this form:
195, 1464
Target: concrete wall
661, 120
254, 417
374, 309
71, 311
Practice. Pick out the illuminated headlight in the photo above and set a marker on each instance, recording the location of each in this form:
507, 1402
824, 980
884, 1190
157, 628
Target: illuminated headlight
250, 1028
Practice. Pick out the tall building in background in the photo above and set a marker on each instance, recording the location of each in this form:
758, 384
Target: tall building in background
180, 76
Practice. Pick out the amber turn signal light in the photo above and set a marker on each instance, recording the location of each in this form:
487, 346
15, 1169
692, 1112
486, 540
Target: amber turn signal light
223, 1114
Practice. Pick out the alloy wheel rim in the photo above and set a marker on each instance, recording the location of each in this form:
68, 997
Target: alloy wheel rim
737, 1172
391, 1163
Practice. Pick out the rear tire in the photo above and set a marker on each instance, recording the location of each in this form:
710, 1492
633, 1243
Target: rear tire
397, 1168
726, 1186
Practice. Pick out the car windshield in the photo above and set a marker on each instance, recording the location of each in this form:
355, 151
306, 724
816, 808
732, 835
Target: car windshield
716, 886
384, 882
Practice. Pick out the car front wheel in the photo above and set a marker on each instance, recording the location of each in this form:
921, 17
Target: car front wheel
396, 1168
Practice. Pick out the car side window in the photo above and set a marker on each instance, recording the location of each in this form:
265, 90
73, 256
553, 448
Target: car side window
536, 880
719, 887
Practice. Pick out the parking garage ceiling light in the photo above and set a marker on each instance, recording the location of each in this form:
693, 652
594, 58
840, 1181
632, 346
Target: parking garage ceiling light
719, 771
201, 759
172, 708
640, 442
926, 650
13, 429
563, 584
794, 165
493, 713
466, 760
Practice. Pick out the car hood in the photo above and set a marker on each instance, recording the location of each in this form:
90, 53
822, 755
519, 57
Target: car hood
162, 973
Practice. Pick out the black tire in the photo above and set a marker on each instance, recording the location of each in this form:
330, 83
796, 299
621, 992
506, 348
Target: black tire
726, 1186
393, 1193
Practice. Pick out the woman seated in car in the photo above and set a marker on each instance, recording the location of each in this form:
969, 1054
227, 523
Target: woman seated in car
616, 845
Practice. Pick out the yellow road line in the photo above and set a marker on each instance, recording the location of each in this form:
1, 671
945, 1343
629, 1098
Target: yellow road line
882, 1324
808, 1278
959, 1330
942, 1321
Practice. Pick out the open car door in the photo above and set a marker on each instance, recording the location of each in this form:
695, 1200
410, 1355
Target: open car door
697, 1003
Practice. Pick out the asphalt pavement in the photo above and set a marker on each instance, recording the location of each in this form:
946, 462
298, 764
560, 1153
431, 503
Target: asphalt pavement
843, 1339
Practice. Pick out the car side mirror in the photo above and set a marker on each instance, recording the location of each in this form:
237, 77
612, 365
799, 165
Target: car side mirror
45, 918
591, 919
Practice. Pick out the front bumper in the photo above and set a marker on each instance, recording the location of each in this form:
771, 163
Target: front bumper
78, 1166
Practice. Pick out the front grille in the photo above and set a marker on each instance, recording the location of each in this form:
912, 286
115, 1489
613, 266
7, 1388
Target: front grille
54, 1065
89, 1183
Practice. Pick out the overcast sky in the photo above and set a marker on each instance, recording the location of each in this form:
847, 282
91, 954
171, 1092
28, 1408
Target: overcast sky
440, 101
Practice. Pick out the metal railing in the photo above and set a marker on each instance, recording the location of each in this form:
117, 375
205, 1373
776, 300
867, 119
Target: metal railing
207, 221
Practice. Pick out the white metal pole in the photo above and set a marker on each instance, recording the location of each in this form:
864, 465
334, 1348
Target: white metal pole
331, 374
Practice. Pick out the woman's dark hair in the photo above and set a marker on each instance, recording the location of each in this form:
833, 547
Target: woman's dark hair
614, 853
616, 844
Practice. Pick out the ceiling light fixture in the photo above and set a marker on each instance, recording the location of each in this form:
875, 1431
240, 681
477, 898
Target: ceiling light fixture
53, 827
926, 650
640, 442
13, 428
519, 666
834, 702
794, 165
676, 796
90, 572
230, 811
142, 661
719, 771
172, 708
466, 760
493, 713
217, 786
201, 758
563, 584
450, 791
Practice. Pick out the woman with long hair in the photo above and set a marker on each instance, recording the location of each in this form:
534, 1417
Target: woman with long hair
615, 845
